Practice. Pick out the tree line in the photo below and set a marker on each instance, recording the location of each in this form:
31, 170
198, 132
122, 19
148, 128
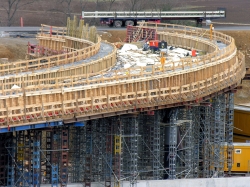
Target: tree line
13, 9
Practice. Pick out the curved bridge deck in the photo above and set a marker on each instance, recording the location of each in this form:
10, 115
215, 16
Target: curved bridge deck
62, 87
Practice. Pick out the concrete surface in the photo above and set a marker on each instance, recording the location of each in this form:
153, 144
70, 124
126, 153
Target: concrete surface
211, 182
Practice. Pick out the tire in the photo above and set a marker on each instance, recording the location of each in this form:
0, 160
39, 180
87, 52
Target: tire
129, 23
111, 25
118, 23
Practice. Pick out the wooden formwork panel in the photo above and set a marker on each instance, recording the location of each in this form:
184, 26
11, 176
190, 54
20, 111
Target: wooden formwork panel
72, 93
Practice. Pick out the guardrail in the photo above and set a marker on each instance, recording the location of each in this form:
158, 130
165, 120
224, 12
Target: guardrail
88, 97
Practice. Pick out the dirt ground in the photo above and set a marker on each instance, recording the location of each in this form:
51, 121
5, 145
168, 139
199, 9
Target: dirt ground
15, 48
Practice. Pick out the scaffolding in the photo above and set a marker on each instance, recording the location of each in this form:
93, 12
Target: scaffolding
130, 148
218, 135
11, 148
205, 116
20, 180
3, 159
28, 157
155, 134
229, 130
78, 152
88, 158
144, 163
64, 159
196, 141
188, 144
108, 151
36, 159
118, 169
56, 144
172, 144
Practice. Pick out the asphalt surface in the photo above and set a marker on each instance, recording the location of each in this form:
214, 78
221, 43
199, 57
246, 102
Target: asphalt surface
36, 29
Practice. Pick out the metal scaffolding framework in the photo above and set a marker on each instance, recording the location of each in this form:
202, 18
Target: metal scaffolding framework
78, 151
229, 130
218, 135
183, 142
205, 116
118, 169
130, 148
88, 157
172, 144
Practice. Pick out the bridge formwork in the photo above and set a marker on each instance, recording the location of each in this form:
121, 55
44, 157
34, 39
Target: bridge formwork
68, 121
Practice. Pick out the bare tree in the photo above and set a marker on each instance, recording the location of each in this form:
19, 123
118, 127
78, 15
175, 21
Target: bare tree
66, 5
167, 5
154, 5
11, 7
83, 4
110, 3
133, 4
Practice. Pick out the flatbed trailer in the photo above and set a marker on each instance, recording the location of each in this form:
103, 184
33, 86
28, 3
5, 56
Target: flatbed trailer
119, 19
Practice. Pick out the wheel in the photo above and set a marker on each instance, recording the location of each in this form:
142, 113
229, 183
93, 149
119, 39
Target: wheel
118, 23
111, 24
129, 23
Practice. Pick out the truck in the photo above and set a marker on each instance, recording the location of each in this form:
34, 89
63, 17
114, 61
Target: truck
131, 18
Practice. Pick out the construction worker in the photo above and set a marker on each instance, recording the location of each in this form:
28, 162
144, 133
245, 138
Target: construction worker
145, 46
163, 60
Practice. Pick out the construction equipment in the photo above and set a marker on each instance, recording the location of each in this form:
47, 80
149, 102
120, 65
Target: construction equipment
127, 18
240, 158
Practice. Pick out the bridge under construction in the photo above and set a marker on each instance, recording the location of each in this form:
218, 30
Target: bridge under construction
68, 117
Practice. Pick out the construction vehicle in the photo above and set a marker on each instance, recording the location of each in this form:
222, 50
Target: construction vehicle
120, 19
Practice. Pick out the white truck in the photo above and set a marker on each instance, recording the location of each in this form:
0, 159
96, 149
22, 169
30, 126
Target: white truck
120, 19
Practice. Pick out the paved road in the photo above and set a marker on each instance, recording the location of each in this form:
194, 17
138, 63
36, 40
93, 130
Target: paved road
35, 29
20, 29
